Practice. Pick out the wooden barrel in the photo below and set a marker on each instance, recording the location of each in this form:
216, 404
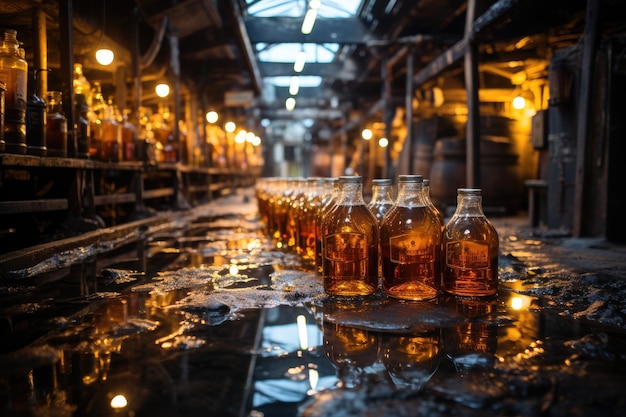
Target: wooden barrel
500, 178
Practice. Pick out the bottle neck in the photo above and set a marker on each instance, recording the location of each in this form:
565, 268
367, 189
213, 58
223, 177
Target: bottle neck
382, 193
411, 194
351, 191
469, 203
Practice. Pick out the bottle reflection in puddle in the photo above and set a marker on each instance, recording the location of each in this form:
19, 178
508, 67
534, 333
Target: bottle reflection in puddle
351, 351
411, 360
473, 343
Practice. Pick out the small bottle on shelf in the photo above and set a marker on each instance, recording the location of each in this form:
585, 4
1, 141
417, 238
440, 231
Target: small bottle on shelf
56, 126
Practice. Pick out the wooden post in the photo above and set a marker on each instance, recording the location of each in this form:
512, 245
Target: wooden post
590, 45
473, 103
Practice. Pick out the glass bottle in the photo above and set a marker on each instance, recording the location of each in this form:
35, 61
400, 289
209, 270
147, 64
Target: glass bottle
111, 135
36, 115
81, 84
56, 126
13, 71
431, 204
95, 122
328, 202
471, 248
382, 197
82, 126
410, 244
309, 209
3, 89
350, 236
129, 140
295, 202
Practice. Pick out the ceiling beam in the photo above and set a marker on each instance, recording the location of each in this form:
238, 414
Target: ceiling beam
243, 38
325, 30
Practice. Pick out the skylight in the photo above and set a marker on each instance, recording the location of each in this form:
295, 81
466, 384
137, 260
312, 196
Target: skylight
285, 52
297, 8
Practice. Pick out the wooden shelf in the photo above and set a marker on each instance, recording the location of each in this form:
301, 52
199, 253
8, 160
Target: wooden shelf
32, 206
48, 192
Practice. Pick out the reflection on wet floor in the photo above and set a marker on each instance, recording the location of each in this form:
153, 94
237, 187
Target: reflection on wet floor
213, 320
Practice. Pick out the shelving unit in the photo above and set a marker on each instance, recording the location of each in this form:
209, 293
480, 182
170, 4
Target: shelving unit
43, 199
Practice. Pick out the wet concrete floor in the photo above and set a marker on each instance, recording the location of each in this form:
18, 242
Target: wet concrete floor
210, 319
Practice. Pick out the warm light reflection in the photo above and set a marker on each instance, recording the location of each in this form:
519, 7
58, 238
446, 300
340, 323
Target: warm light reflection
104, 56
302, 332
119, 401
233, 270
517, 303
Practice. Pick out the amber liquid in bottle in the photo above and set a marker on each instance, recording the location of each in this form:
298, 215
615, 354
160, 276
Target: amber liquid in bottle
471, 248
350, 234
410, 254
410, 242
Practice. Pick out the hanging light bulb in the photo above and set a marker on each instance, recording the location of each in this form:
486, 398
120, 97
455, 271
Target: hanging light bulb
104, 56
294, 85
298, 66
290, 104
309, 21
211, 116
519, 103
162, 90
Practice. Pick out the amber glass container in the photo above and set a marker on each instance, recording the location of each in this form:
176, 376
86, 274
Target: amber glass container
471, 248
56, 126
410, 242
350, 234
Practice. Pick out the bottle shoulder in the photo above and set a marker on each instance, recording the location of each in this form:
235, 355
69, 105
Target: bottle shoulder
470, 228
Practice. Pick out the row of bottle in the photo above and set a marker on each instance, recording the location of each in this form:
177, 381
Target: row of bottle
398, 244
36, 125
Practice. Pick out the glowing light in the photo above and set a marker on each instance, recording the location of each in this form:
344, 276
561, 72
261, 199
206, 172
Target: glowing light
230, 127
519, 103
309, 21
104, 56
233, 270
383, 142
290, 104
119, 401
302, 333
212, 117
294, 86
250, 136
517, 303
162, 90
298, 66
256, 141
366, 134
240, 137
314, 377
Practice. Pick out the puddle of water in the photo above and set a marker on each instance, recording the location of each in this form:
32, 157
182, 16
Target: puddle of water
219, 322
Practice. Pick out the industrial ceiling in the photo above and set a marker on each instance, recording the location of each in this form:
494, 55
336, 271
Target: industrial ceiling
218, 45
